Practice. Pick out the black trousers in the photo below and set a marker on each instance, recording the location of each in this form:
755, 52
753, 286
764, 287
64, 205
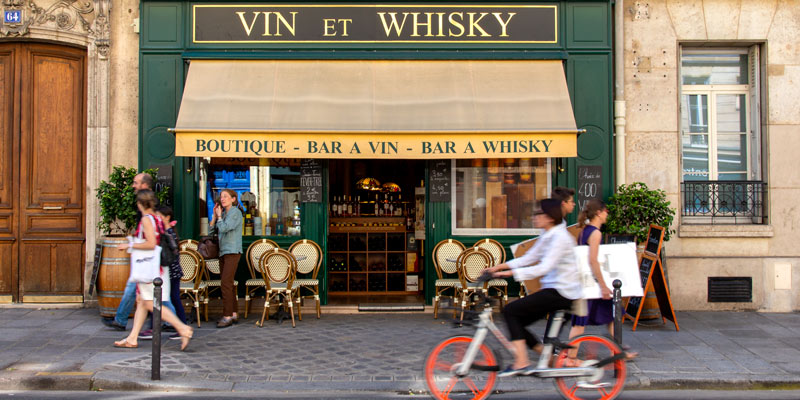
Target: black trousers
531, 308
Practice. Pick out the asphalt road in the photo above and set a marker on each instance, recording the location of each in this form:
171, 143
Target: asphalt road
628, 395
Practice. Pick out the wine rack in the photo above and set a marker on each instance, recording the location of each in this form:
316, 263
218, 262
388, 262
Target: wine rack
365, 259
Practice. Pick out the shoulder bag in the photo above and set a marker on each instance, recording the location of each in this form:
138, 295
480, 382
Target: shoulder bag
145, 264
208, 247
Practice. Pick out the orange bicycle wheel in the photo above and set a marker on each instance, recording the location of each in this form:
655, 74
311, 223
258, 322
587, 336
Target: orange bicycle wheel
443, 360
609, 380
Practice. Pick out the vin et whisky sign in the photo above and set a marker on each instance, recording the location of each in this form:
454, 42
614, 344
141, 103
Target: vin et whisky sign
355, 23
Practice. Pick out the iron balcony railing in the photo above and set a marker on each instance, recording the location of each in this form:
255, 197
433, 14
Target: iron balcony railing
724, 202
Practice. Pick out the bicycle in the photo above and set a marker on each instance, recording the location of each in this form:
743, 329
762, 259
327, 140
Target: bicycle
465, 367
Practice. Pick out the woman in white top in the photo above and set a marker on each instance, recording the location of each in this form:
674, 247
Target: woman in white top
552, 259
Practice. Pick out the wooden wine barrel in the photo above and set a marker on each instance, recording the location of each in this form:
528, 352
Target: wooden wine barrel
112, 275
650, 308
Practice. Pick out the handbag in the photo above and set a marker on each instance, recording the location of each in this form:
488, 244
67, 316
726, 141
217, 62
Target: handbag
145, 264
208, 247
169, 250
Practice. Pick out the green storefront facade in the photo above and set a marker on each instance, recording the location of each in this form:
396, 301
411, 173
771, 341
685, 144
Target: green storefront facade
168, 44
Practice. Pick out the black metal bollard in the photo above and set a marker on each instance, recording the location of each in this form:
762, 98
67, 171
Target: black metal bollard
155, 373
617, 311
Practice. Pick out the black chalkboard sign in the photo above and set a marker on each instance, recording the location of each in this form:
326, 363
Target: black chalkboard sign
590, 184
655, 236
311, 181
645, 269
439, 185
98, 258
164, 180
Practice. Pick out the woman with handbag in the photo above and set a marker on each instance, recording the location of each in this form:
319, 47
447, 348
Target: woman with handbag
146, 266
227, 224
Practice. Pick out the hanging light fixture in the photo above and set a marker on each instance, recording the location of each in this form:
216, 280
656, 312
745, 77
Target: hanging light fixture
391, 187
368, 184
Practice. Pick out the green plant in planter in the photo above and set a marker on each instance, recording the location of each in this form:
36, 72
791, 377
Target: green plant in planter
634, 207
118, 200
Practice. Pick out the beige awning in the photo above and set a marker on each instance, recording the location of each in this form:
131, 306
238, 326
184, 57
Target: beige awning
376, 109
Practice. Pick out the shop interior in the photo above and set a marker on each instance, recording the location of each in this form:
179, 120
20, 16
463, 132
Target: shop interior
376, 228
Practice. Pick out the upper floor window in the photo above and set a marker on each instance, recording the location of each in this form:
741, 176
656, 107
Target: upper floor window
721, 133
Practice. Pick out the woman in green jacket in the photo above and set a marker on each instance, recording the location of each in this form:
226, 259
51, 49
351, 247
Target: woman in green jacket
227, 223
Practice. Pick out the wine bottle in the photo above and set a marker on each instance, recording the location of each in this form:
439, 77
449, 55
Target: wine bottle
349, 206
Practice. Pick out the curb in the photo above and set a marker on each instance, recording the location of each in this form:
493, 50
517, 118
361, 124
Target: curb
112, 381
46, 381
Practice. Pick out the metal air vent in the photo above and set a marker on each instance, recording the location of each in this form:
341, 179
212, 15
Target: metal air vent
730, 289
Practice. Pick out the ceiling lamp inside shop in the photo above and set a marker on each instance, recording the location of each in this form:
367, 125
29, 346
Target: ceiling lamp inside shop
391, 187
368, 184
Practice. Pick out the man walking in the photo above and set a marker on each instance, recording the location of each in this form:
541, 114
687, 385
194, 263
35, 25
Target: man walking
140, 182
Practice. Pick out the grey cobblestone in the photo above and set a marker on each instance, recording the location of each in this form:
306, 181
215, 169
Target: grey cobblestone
373, 351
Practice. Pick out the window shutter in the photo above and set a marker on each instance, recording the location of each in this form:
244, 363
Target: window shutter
755, 112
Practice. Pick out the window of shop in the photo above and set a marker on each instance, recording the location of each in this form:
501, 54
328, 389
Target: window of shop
721, 136
269, 190
497, 196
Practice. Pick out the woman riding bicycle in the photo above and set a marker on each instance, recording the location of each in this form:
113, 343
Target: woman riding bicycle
552, 259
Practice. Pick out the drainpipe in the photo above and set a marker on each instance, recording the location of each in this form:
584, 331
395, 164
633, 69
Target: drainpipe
619, 93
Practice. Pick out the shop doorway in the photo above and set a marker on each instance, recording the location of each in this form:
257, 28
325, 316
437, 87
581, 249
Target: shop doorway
42, 177
373, 253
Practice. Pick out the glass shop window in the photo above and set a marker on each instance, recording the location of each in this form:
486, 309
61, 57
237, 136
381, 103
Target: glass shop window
269, 190
497, 196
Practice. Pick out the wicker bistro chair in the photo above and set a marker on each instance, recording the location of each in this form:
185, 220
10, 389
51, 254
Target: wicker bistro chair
311, 255
446, 272
212, 270
277, 268
498, 257
189, 244
256, 281
191, 286
471, 264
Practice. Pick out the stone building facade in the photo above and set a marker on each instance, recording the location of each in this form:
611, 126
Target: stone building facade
101, 36
674, 112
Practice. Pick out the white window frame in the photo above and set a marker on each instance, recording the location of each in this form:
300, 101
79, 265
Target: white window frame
491, 231
712, 91
751, 94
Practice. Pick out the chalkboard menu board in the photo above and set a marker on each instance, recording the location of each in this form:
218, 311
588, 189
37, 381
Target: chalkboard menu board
98, 257
590, 184
654, 238
645, 267
311, 181
439, 185
164, 180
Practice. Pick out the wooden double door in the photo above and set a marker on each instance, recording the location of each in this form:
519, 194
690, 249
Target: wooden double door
42, 172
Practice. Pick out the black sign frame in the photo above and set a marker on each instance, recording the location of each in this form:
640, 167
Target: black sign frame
375, 23
311, 181
440, 183
654, 241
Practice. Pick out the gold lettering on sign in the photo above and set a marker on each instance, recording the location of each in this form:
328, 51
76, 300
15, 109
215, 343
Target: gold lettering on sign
417, 24
398, 28
329, 26
285, 23
451, 19
269, 16
247, 29
504, 25
473, 23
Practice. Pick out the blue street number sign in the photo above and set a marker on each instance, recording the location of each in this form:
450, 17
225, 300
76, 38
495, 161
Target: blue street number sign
12, 16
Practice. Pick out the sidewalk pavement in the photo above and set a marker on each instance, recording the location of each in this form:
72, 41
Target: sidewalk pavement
69, 349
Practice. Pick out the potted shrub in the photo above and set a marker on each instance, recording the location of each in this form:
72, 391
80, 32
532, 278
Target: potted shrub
117, 220
634, 207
